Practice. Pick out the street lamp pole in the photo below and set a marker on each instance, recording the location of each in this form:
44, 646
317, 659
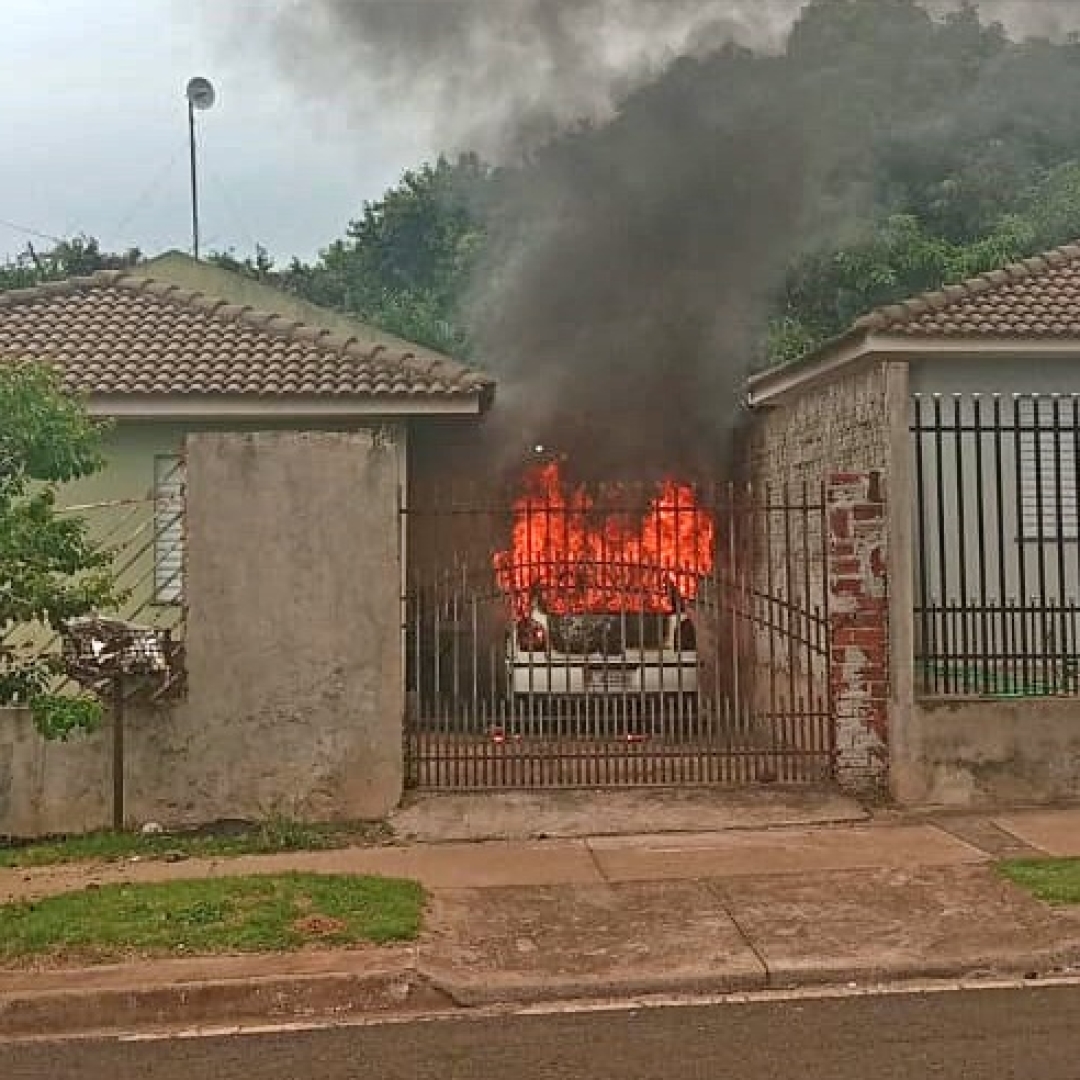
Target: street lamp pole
200, 95
194, 183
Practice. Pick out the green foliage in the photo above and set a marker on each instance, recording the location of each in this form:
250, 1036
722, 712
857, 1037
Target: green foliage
954, 145
261, 913
406, 263
1054, 881
903, 256
51, 570
79, 256
275, 835
59, 716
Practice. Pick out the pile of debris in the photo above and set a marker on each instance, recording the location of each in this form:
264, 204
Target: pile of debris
98, 651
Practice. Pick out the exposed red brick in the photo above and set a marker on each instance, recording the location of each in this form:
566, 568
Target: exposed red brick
868, 512
877, 562
857, 578
848, 586
840, 524
845, 567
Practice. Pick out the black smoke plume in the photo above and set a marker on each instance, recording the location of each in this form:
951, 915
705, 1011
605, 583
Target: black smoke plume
662, 163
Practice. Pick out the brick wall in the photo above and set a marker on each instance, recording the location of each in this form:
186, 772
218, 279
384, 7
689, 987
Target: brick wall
859, 628
834, 439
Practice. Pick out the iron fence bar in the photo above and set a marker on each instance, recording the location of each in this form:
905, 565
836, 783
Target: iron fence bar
1021, 548
980, 513
921, 511
939, 470
1040, 521
961, 523
1060, 628
1001, 549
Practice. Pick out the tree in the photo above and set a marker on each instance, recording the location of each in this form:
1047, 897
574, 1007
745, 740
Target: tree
955, 146
51, 569
405, 265
79, 256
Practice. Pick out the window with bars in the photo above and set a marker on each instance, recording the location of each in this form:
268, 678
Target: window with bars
1048, 454
169, 477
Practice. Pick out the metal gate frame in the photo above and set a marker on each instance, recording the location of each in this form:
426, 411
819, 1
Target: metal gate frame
762, 710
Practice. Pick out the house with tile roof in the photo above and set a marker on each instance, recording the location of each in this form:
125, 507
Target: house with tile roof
177, 346
961, 662
259, 467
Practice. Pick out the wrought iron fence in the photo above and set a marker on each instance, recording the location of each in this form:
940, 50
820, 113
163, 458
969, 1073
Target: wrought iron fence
617, 635
997, 551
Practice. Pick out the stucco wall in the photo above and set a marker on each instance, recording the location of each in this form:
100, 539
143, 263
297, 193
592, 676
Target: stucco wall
981, 751
838, 425
295, 698
996, 374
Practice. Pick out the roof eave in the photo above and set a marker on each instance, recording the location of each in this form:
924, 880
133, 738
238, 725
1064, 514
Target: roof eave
210, 407
767, 387
862, 344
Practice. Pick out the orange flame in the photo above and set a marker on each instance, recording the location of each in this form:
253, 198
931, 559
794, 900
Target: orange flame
573, 558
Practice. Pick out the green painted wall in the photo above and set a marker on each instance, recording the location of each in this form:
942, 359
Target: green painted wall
120, 508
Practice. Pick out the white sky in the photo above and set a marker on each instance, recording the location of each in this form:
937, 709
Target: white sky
94, 129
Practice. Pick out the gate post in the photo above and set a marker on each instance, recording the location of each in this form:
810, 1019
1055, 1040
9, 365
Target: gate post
858, 623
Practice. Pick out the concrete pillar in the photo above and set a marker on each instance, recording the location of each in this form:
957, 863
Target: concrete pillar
293, 639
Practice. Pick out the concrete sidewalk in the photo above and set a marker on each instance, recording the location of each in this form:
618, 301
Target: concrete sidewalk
606, 917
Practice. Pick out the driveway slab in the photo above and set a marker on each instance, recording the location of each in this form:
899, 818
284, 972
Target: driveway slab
570, 941
780, 851
514, 815
1057, 832
890, 924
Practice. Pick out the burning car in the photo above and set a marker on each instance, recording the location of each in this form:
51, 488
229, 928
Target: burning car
627, 652
601, 590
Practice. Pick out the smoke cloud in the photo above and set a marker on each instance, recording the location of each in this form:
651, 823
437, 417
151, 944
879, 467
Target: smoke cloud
502, 76
632, 265
663, 161
1053, 19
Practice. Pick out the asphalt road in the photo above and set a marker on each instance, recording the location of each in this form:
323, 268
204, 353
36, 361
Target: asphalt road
1031, 1034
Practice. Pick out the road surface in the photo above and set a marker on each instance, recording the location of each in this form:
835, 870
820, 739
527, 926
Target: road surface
1028, 1034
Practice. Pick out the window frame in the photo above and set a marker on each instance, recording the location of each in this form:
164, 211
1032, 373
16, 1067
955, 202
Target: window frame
1047, 453
169, 518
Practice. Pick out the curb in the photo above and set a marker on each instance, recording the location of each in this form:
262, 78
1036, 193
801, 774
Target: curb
1009, 965
410, 990
267, 998
495, 990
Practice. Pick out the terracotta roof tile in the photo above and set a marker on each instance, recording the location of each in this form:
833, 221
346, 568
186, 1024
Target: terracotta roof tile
1034, 298
119, 333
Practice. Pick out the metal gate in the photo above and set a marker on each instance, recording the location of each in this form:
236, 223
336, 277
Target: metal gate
614, 635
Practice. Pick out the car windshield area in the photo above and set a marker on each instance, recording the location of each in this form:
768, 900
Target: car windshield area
607, 633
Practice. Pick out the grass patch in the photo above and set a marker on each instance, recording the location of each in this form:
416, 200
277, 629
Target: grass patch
1054, 881
262, 838
234, 914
